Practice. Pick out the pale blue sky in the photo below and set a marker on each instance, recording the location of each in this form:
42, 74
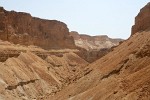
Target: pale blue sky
94, 17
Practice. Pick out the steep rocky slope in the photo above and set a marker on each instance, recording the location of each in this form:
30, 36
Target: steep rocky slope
94, 42
92, 55
123, 74
30, 72
22, 28
93, 47
142, 22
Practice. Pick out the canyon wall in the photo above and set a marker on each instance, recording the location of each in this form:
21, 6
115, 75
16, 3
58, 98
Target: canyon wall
93, 47
142, 20
122, 74
22, 28
94, 42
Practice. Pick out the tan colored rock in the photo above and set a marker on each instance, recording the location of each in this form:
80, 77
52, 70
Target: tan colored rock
122, 74
30, 72
142, 20
22, 28
93, 47
94, 42
30, 77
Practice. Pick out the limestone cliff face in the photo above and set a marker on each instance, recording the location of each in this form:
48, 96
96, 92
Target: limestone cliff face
142, 20
93, 42
93, 47
22, 28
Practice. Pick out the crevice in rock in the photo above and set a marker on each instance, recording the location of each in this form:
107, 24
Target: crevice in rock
11, 87
115, 71
87, 71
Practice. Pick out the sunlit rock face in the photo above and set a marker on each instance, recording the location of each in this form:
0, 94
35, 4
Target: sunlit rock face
29, 72
93, 47
94, 42
122, 74
22, 28
142, 20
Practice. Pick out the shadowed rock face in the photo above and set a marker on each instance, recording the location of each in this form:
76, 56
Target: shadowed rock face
142, 20
22, 28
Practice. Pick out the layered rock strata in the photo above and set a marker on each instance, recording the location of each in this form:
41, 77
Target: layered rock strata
94, 42
22, 28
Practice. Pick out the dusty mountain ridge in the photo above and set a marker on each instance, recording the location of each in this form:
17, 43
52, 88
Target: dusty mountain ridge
30, 72
123, 74
93, 47
94, 42
22, 28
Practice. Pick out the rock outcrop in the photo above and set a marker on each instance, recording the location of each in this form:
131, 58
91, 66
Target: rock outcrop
22, 28
92, 55
142, 20
28, 73
122, 74
93, 47
94, 42
32, 73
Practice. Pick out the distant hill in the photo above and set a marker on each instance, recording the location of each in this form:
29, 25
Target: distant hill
94, 42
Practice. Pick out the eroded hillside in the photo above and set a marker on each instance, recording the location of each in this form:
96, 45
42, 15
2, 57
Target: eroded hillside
28, 72
31, 72
123, 74
93, 47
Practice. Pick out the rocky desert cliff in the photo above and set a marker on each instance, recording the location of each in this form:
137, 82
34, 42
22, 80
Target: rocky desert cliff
93, 47
94, 42
29, 72
142, 22
22, 28
122, 74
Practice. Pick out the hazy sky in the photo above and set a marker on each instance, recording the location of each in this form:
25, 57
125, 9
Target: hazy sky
94, 17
